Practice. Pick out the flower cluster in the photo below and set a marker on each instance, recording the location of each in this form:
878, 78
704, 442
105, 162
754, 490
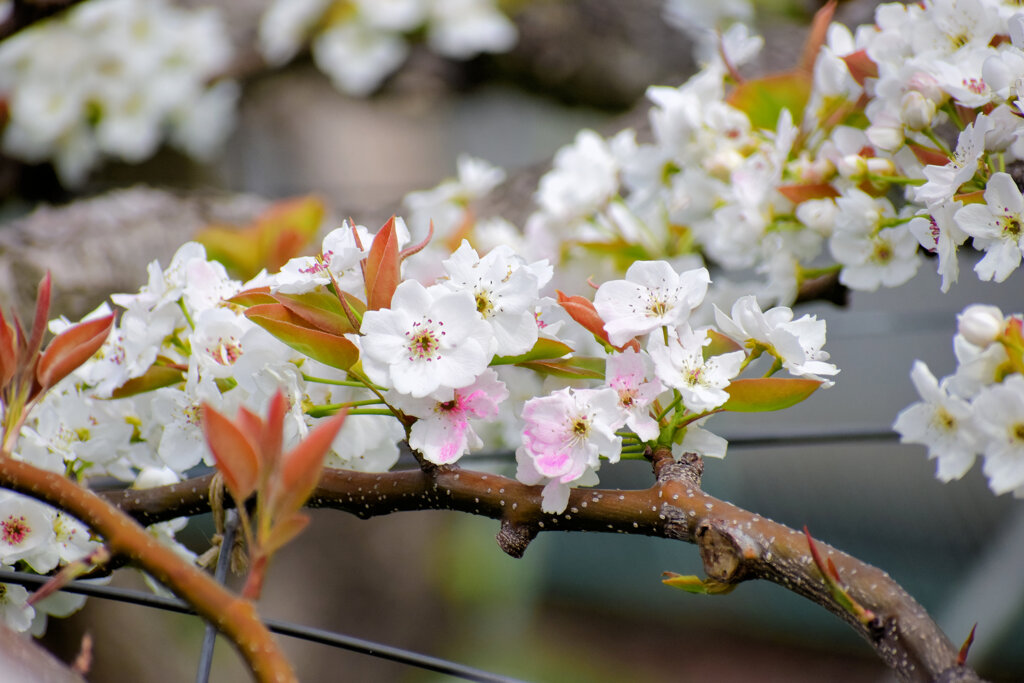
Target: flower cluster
113, 78
844, 165
478, 349
359, 44
979, 409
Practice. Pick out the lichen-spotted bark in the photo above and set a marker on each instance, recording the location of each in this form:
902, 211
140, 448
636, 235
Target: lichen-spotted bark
735, 544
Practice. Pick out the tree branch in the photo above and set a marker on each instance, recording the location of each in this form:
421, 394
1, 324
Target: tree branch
735, 545
234, 617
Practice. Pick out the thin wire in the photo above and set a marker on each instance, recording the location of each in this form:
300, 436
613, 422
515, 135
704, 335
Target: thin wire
309, 633
220, 574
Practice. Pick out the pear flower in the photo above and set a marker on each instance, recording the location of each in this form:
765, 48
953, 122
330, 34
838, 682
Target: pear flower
653, 295
442, 432
680, 364
797, 343
430, 339
565, 434
940, 421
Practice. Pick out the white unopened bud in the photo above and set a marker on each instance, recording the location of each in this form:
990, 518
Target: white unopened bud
852, 166
927, 85
880, 166
981, 324
916, 110
155, 476
889, 138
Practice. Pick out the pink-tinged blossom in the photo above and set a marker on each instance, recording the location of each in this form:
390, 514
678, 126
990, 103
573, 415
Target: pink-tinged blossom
941, 422
429, 339
680, 364
627, 375
26, 533
997, 227
442, 432
566, 432
653, 295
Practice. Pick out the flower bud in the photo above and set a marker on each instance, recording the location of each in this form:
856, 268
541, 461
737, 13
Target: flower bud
889, 138
880, 166
852, 166
980, 324
916, 110
927, 85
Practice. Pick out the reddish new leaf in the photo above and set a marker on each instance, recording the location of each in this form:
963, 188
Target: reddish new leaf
272, 434
381, 270
71, 348
253, 297
321, 309
283, 531
961, 657
816, 37
8, 352
300, 468
234, 452
572, 368
861, 66
35, 342
544, 349
927, 155
156, 377
802, 193
763, 99
768, 393
327, 348
719, 344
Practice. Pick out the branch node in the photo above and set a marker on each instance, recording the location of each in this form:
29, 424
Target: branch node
514, 537
688, 469
721, 553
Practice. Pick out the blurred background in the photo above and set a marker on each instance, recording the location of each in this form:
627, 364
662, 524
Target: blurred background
577, 607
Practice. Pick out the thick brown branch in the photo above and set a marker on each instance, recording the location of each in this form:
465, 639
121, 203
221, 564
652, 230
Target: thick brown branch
233, 616
735, 545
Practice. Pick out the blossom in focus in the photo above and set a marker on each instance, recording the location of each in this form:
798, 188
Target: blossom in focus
997, 227
442, 431
798, 343
505, 289
565, 434
652, 295
999, 416
626, 373
430, 339
679, 363
941, 422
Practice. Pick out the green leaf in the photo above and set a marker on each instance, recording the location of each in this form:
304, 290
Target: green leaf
768, 393
544, 349
719, 344
253, 297
573, 368
156, 377
321, 309
763, 99
327, 348
697, 585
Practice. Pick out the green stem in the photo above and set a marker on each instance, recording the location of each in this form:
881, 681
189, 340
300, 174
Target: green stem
930, 134
336, 382
333, 408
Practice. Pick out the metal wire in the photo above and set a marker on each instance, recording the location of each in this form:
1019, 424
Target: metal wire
308, 633
220, 574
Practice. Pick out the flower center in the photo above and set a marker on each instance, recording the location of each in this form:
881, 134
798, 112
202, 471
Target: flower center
657, 306
484, 306
883, 252
1017, 431
14, 530
944, 420
425, 341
